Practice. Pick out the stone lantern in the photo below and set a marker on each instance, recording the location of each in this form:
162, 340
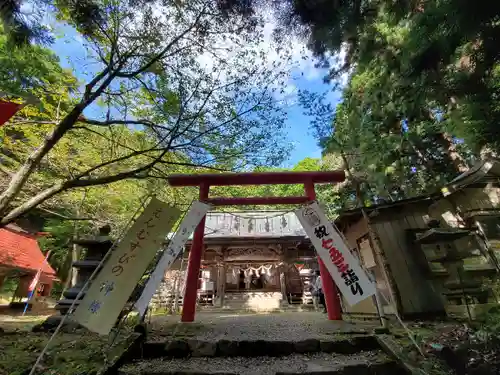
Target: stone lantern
93, 252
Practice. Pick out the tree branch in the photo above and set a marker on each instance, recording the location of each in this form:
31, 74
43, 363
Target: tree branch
160, 55
119, 122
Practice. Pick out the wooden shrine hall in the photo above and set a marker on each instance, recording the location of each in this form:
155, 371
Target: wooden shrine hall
257, 261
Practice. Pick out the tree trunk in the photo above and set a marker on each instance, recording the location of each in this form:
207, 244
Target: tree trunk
22, 175
456, 158
20, 178
72, 273
32, 203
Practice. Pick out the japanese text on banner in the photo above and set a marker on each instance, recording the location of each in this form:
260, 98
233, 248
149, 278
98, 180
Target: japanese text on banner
114, 284
350, 278
191, 220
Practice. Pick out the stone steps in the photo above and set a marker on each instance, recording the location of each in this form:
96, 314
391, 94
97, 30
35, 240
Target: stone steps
365, 363
241, 309
354, 354
254, 301
185, 347
288, 343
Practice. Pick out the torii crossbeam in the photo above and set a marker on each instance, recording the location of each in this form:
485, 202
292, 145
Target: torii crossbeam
204, 181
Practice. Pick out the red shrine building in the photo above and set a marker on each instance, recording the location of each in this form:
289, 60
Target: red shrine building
20, 258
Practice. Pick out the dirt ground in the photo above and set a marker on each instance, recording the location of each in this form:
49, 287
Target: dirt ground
276, 326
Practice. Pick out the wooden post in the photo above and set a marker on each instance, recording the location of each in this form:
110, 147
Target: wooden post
376, 246
282, 282
221, 283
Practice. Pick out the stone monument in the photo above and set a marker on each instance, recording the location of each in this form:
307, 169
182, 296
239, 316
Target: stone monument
92, 253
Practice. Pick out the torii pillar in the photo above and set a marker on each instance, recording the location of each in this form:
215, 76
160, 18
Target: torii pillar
204, 181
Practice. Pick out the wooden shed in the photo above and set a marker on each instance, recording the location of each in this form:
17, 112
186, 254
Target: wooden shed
384, 250
431, 254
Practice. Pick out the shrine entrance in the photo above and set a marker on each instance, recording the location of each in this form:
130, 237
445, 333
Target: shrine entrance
249, 277
252, 277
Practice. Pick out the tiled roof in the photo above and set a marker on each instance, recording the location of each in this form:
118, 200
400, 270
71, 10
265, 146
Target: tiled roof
21, 250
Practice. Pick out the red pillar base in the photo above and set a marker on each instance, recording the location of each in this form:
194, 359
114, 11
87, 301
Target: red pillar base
332, 299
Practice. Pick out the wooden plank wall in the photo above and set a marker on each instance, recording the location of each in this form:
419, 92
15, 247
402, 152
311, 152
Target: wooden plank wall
416, 293
352, 233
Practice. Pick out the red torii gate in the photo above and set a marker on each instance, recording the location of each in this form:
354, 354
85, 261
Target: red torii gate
204, 181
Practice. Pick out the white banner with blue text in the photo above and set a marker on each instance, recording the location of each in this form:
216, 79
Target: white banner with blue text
191, 220
115, 282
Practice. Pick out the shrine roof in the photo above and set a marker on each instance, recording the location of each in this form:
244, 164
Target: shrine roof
481, 173
256, 224
20, 250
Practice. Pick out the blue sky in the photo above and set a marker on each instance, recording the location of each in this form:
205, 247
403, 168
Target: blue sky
69, 47
305, 144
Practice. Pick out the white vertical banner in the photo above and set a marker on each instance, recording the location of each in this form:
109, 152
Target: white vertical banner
191, 220
350, 278
109, 291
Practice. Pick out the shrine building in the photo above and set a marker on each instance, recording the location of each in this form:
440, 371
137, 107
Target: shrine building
256, 261
430, 255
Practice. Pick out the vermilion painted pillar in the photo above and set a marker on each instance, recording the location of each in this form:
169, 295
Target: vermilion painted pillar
329, 289
194, 263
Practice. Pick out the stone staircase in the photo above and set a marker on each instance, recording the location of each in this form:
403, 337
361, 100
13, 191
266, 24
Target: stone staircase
358, 354
254, 301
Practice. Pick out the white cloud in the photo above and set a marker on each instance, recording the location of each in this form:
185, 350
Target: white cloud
301, 60
291, 55
288, 94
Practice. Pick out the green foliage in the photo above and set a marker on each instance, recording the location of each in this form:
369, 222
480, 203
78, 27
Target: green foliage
159, 111
490, 326
58, 242
163, 110
8, 289
421, 77
25, 26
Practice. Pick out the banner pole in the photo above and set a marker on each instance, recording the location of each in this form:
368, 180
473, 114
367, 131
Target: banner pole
376, 300
35, 282
178, 284
191, 219
92, 276
371, 276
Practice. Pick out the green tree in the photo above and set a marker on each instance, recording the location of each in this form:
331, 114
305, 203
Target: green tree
419, 72
25, 25
420, 75
173, 110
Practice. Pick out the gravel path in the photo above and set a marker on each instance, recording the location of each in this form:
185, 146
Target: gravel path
279, 327
293, 364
